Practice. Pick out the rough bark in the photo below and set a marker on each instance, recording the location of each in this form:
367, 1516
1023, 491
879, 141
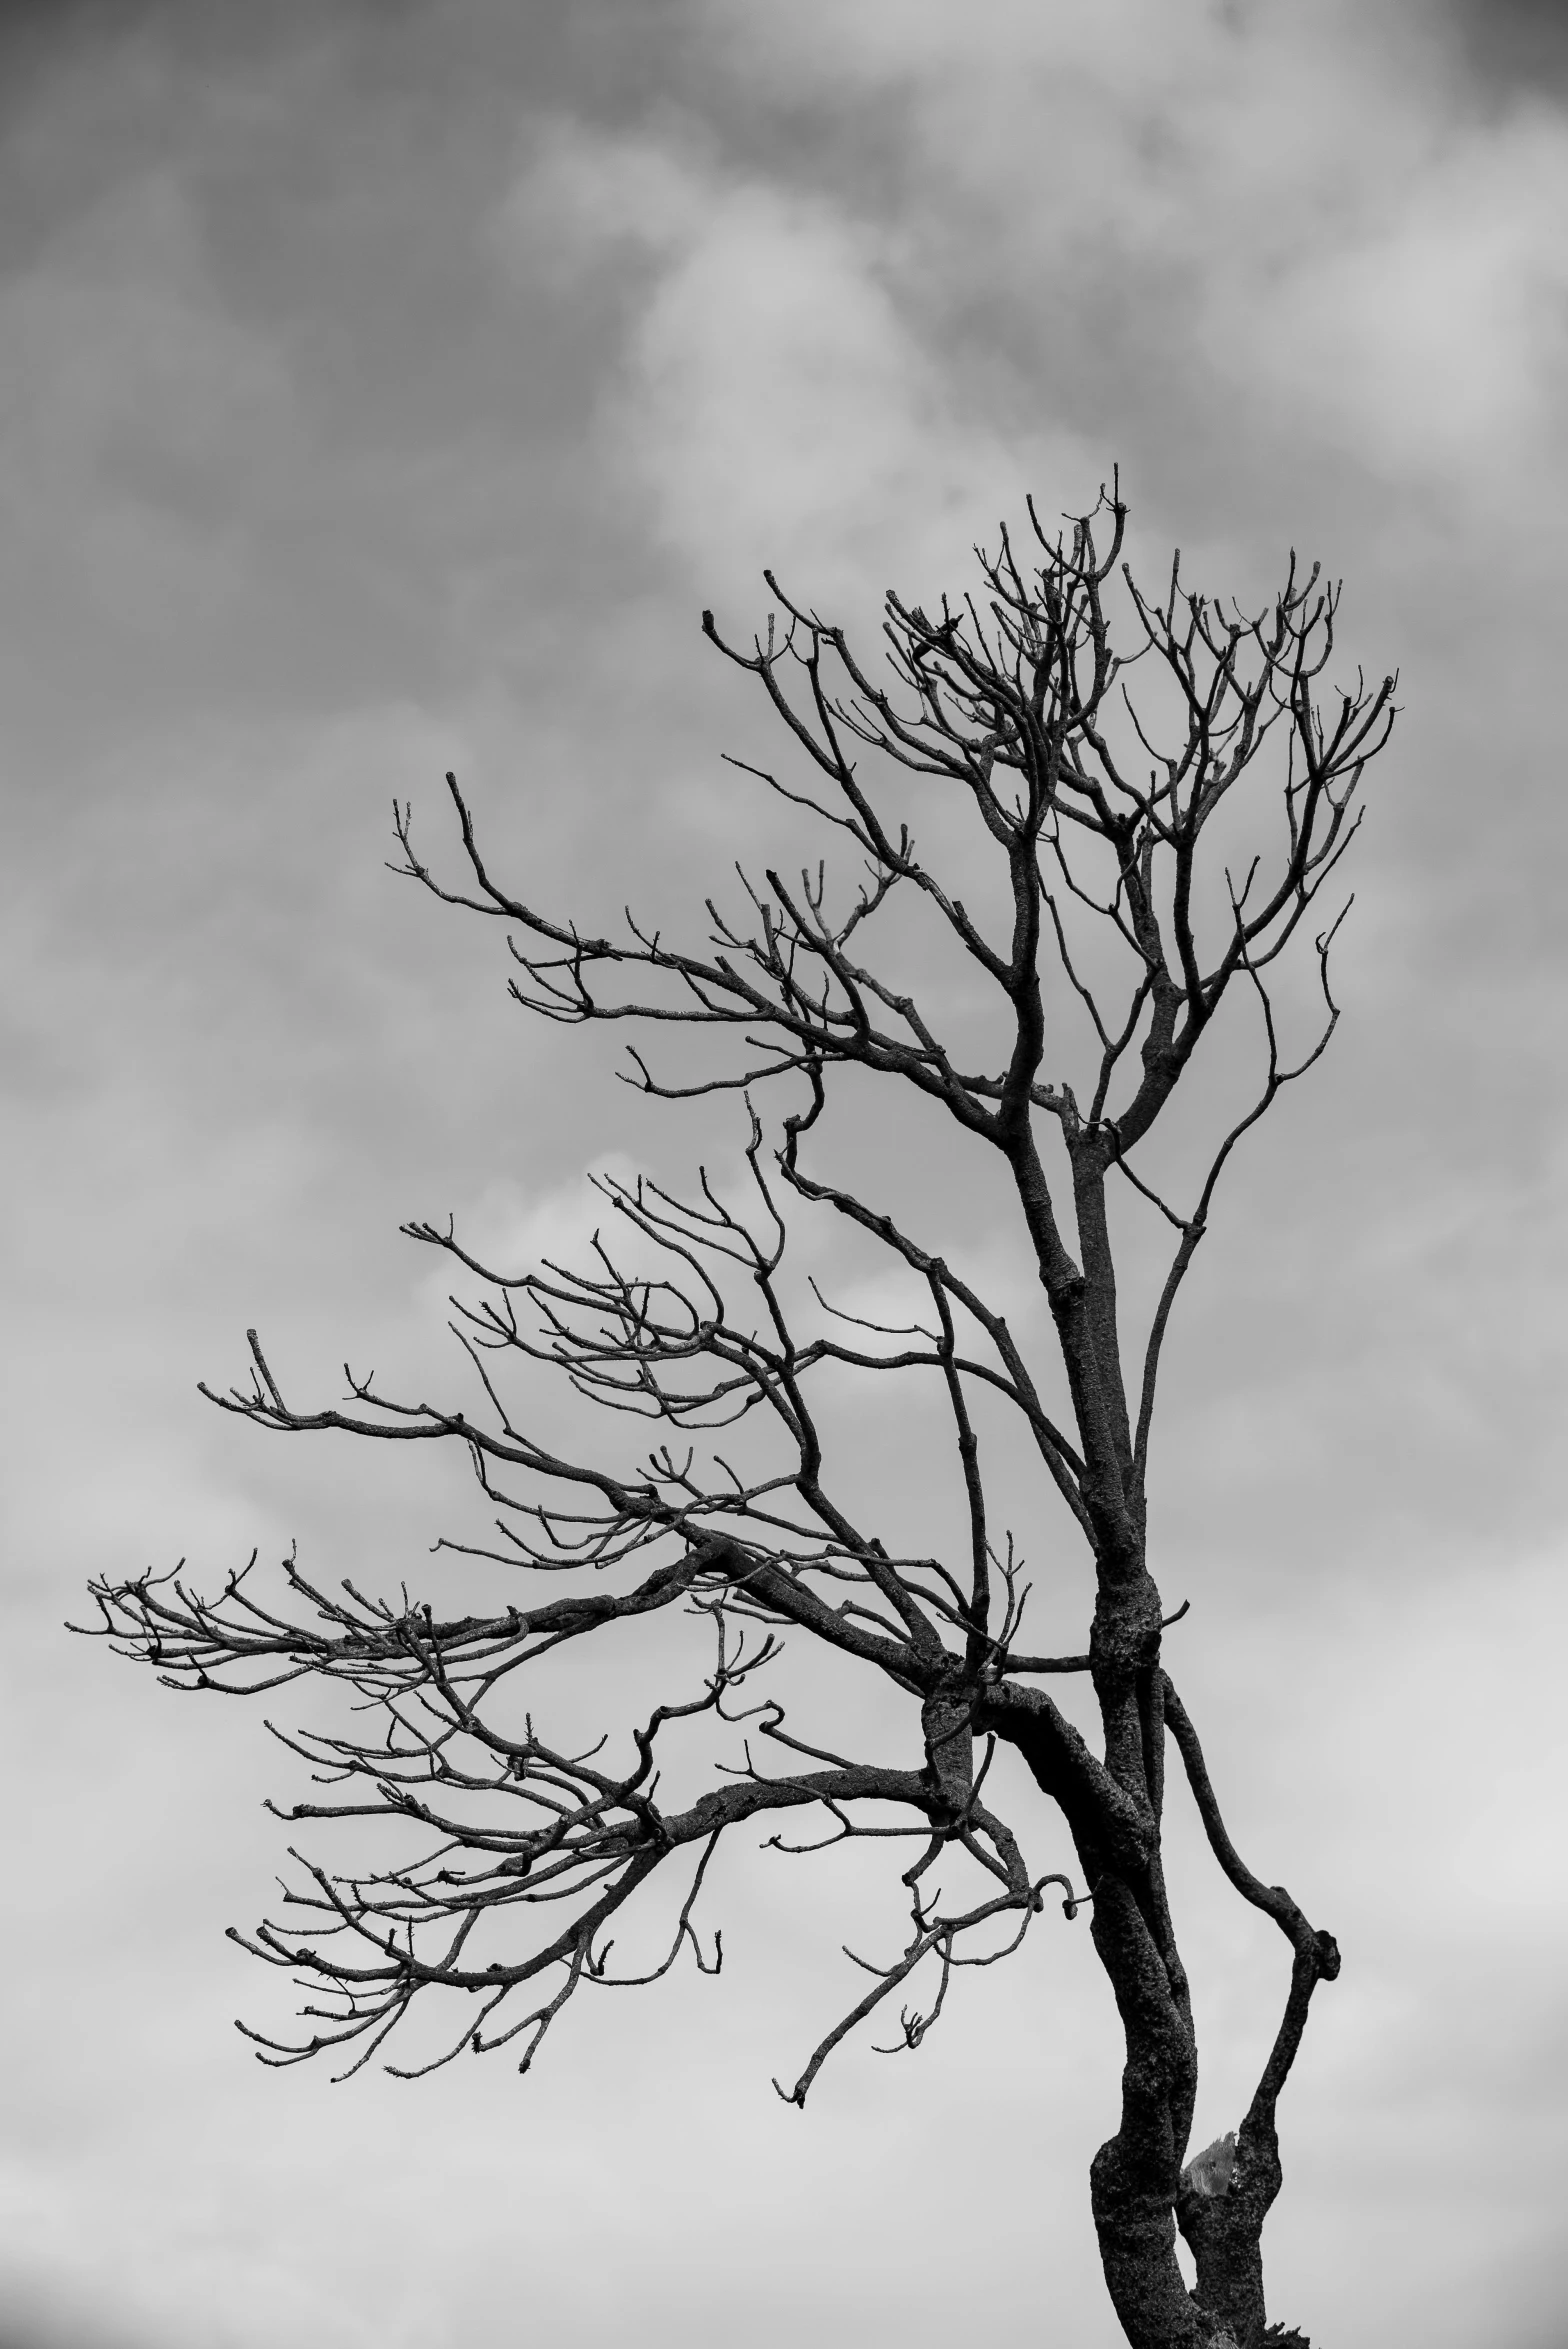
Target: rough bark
1221, 2215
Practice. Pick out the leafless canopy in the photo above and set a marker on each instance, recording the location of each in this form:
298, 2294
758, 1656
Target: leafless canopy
1105, 812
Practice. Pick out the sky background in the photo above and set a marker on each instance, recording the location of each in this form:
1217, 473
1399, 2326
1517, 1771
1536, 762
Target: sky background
387, 388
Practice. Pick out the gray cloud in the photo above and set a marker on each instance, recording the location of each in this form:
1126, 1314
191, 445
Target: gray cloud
1515, 47
43, 2319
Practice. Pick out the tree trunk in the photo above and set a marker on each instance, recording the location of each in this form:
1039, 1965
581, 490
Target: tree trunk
1134, 2177
1221, 2210
1137, 2231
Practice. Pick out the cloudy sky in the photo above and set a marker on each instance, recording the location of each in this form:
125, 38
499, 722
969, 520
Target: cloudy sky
385, 388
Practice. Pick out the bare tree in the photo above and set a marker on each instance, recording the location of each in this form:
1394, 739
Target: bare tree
1122, 933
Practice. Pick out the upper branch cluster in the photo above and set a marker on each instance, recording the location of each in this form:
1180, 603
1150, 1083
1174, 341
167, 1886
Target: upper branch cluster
1018, 698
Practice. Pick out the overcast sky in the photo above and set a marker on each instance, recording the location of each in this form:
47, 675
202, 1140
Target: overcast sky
385, 389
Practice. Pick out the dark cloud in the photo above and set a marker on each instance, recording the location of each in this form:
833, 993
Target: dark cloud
53, 2336
38, 2325
86, 88
34, 34
605, 40
91, 91
56, 23
1514, 46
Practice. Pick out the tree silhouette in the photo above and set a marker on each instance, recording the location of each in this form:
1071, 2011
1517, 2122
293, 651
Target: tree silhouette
1125, 917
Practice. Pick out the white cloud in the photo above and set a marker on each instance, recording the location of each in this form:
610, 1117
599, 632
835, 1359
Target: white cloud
1429, 332
1305, 217
582, 191
774, 401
